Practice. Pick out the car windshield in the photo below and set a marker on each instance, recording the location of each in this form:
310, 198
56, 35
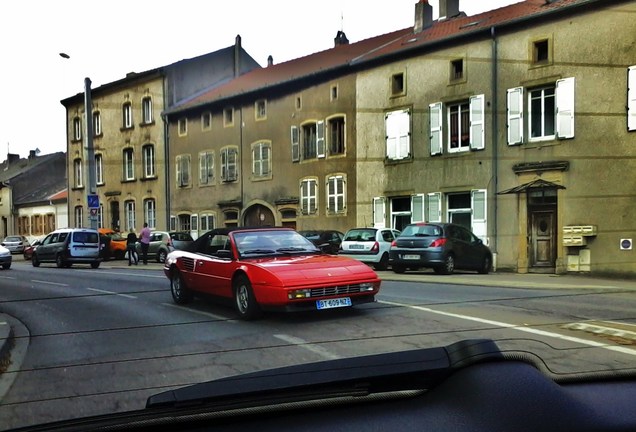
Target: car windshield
272, 242
223, 188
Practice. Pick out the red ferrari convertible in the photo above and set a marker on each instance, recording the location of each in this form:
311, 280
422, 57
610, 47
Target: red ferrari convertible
268, 269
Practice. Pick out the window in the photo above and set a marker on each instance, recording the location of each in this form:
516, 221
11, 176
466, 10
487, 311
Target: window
184, 222
299, 103
334, 93
129, 164
550, 112
173, 223
129, 208
206, 168
229, 167
458, 127
182, 127
146, 110
231, 218
79, 216
457, 70
150, 212
398, 85
77, 173
261, 160
148, 154
99, 169
127, 117
97, 124
228, 117
336, 200
631, 98
260, 108
336, 128
309, 141
208, 222
77, 129
309, 196
398, 134
464, 125
206, 121
541, 51
183, 170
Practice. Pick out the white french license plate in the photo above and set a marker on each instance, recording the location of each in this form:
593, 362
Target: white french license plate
333, 303
355, 246
411, 257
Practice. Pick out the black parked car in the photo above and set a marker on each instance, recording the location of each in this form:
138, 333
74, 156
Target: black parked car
327, 240
444, 247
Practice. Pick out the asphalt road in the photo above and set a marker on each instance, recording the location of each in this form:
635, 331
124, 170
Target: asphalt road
97, 341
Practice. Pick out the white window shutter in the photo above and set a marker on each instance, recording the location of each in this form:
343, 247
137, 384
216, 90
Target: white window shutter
477, 122
379, 205
178, 171
515, 115
418, 210
392, 131
295, 144
631, 98
320, 139
434, 207
435, 127
404, 147
479, 214
565, 108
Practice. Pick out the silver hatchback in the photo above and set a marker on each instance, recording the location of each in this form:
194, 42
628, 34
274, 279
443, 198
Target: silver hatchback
15, 243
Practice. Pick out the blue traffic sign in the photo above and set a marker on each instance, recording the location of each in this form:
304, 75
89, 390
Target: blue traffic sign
93, 201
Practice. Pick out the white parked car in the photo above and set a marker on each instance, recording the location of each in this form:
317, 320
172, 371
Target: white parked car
5, 258
369, 245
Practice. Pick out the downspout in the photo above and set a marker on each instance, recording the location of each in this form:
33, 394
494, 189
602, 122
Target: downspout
495, 139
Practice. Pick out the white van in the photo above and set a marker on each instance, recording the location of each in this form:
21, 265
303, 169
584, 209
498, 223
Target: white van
68, 246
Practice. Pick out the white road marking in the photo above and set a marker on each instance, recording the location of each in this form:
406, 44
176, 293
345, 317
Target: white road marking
517, 327
207, 314
112, 292
308, 346
49, 283
125, 273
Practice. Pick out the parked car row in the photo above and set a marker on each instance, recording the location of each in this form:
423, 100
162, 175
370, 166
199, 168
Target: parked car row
444, 247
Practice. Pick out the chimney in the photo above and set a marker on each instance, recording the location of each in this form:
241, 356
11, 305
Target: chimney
237, 56
423, 16
448, 9
340, 39
270, 61
31, 154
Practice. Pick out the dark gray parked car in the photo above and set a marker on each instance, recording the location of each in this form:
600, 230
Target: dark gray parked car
163, 242
444, 247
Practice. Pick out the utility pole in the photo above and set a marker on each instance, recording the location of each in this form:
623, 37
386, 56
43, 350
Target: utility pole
92, 199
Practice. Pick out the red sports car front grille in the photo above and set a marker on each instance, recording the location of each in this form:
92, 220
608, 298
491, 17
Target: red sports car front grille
335, 290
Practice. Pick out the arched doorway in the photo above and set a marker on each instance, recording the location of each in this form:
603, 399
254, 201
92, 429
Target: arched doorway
258, 215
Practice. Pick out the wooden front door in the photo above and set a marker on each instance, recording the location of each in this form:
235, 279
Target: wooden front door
542, 240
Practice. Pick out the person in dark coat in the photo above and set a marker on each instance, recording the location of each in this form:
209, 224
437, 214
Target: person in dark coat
131, 242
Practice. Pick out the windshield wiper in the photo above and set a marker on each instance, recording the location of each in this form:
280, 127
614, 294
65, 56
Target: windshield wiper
291, 249
419, 369
258, 251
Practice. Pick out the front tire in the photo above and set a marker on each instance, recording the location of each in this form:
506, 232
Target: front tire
59, 261
35, 262
485, 266
161, 256
244, 301
180, 293
398, 269
95, 264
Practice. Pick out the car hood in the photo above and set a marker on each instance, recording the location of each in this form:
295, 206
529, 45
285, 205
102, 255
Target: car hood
308, 268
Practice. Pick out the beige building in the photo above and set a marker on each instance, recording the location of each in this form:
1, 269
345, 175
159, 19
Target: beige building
129, 139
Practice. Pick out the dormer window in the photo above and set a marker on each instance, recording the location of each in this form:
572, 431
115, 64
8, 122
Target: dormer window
398, 85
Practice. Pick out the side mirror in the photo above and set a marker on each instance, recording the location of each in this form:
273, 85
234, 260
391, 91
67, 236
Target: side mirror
224, 254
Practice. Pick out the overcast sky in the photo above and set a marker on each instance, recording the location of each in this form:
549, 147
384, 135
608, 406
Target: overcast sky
109, 38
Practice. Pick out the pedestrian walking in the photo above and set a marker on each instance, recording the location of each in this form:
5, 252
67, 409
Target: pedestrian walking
144, 239
131, 249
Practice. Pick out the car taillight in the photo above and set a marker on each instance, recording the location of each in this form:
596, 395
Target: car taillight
438, 243
394, 243
376, 247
